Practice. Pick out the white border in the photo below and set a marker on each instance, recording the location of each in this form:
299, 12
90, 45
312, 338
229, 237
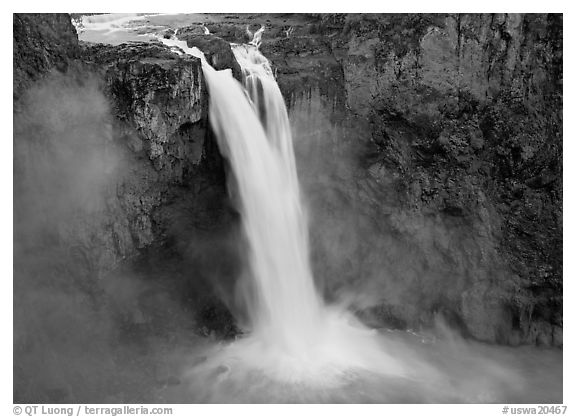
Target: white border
283, 7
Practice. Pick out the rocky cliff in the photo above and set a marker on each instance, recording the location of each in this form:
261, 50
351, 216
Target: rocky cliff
466, 113
441, 195
453, 203
41, 42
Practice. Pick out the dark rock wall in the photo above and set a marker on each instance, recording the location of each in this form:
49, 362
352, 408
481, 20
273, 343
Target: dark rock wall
217, 51
41, 42
467, 113
453, 205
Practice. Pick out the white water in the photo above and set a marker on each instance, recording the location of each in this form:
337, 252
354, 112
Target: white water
294, 336
256, 38
272, 211
111, 22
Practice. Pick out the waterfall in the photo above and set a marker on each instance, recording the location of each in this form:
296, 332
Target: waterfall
294, 335
285, 305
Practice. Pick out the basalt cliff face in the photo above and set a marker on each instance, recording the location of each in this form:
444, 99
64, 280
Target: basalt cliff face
442, 194
455, 204
41, 42
429, 147
466, 115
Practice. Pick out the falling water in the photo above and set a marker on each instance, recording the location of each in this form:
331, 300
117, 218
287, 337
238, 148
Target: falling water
272, 210
294, 336
256, 37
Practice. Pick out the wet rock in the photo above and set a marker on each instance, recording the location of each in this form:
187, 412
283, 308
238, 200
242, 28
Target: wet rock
168, 33
214, 320
216, 50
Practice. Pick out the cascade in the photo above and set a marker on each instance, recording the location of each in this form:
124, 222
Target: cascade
293, 335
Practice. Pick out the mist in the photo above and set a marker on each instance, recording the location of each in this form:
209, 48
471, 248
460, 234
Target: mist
136, 279
92, 321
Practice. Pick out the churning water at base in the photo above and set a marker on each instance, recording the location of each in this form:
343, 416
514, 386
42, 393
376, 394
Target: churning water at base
297, 348
444, 370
